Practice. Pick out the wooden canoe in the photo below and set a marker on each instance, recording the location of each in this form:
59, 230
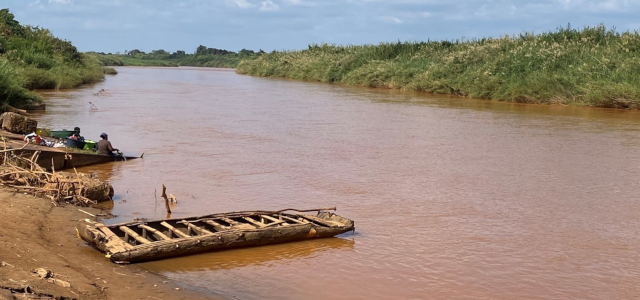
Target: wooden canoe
56, 158
152, 240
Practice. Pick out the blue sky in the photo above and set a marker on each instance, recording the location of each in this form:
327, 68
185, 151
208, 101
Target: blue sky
119, 25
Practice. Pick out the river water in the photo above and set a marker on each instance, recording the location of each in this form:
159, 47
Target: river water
452, 198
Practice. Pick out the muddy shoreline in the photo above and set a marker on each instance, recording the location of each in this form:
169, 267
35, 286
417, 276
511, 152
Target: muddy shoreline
36, 234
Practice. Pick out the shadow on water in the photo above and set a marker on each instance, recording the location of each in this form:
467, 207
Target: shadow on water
494, 106
252, 257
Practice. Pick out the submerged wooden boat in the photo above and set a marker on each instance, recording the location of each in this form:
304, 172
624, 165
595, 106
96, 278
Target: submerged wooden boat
151, 240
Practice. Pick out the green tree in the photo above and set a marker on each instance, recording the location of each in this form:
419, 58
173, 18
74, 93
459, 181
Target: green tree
8, 25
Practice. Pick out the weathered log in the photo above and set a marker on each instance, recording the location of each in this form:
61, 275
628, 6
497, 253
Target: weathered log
96, 189
166, 200
9, 108
17, 123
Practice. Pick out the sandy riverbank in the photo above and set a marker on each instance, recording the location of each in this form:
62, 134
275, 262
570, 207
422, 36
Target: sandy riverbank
36, 234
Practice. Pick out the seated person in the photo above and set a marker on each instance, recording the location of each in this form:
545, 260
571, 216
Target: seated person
104, 146
76, 135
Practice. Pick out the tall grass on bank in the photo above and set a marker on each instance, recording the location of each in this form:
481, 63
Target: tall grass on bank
593, 66
32, 58
11, 87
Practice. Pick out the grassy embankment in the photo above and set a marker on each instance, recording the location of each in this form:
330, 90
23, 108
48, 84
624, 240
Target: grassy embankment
592, 67
202, 57
32, 58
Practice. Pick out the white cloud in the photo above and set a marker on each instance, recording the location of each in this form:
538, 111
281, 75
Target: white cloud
425, 14
300, 3
242, 3
598, 5
268, 5
61, 1
391, 19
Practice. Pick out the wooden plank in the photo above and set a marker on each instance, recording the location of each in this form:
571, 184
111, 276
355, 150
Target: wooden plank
270, 218
232, 222
113, 239
254, 222
291, 219
198, 230
174, 230
239, 225
134, 235
154, 231
276, 223
107, 232
321, 221
217, 226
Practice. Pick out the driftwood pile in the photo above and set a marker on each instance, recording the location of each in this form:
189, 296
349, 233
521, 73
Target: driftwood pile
24, 175
17, 123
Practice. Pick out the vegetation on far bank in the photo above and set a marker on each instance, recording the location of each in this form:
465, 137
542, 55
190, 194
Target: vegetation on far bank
32, 58
202, 57
593, 66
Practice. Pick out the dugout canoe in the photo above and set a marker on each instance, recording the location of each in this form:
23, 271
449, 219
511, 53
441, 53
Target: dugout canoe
152, 240
56, 158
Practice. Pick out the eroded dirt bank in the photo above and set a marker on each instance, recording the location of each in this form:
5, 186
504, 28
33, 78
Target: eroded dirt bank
36, 234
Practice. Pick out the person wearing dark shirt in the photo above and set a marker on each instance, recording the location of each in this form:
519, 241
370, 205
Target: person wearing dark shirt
104, 146
76, 135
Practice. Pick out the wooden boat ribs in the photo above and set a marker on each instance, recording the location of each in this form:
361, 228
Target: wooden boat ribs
151, 240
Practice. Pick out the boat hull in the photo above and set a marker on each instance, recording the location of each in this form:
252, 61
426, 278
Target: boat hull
110, 240
58, 160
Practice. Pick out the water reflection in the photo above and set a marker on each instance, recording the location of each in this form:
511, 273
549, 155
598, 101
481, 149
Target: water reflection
253, 257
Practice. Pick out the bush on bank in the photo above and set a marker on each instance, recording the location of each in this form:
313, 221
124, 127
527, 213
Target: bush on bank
593, 66
32, 58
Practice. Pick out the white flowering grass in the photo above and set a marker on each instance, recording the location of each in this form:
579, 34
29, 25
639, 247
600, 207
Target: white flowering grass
593, 66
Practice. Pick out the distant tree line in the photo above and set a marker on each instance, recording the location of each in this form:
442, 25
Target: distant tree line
203, 56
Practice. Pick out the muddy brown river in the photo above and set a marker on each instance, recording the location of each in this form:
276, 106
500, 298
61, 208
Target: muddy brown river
452, 198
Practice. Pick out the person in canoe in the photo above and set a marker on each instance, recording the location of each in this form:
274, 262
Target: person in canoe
104, 146
76, 135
